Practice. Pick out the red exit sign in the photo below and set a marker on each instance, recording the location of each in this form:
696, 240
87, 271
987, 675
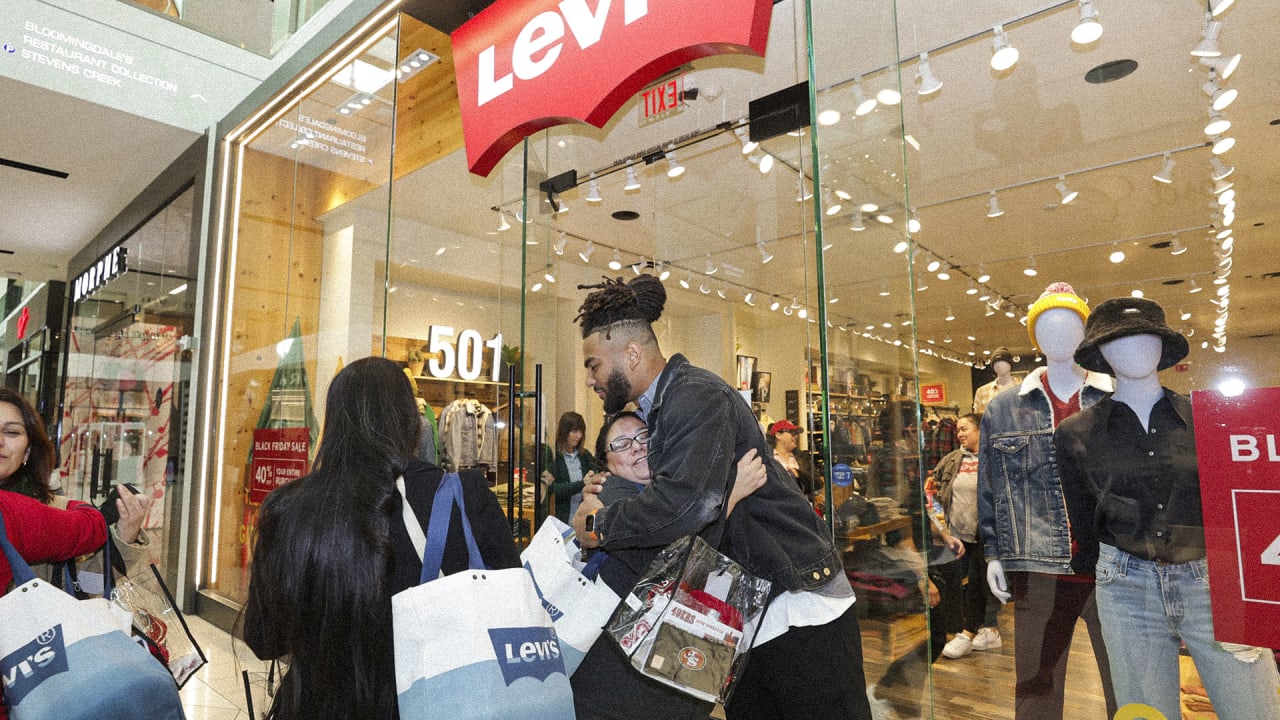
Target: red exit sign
662, 100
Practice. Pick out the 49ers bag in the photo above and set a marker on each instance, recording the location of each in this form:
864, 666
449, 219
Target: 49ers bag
68, 659
477, 644
690, 620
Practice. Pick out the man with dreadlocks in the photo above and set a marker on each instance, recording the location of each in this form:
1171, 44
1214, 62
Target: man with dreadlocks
806, 661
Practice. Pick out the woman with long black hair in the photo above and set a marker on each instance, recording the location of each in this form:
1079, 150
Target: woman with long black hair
332, 549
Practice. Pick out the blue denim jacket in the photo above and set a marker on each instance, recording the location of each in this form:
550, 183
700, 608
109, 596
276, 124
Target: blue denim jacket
700, 427
1021, 511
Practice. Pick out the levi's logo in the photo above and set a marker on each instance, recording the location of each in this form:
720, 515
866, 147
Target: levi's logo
532, 652
555, 612
526, 65
28, 666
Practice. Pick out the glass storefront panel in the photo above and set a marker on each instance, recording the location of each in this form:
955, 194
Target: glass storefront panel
127, 387
307, 275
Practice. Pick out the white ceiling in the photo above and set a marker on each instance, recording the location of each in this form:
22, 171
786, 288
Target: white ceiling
1015, 131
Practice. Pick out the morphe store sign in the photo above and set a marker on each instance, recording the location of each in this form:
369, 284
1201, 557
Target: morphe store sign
527, 65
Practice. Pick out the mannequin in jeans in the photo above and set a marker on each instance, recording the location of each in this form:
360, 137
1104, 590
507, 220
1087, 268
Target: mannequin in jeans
1026, 539
1131, 480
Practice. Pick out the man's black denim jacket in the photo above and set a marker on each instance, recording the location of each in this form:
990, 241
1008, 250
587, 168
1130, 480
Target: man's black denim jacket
699, 429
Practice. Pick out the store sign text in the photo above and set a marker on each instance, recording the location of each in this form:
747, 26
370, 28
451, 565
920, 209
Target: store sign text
24, 318
526, 65
466, 354
105, 269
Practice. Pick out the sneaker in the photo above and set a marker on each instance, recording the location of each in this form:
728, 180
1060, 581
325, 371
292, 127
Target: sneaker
881, 708
958, 647
987, 639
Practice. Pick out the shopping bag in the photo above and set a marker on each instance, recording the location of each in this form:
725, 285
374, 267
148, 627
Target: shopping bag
690, 620
578, 602
477, 644
159, 623
68, 659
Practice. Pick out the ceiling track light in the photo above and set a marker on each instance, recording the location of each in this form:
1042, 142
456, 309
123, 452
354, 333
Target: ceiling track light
1003, 55
616, 262
664, 270
945, 273
929, 83
831, 204
1223, 66
1175, 246
932, 263
1217, 7
586, 254
802, 193
763, 162
983, 275
1194, 287
1117, 255
888, 96
1220, 145
1166, 171
688, 280
674, 168
1208, 45
993, 207
950, 314
561, 242
765, 255
1218, 123
1221, 186
593, 192
632, 182
861, 103
637, 266
1030, 269
857, 225
913, 222
972, 290
711, 266
503, 225
1088, 29
1066, 195
1219, 98
748, 145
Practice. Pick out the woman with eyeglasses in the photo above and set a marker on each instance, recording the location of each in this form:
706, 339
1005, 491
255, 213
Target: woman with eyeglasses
605, 686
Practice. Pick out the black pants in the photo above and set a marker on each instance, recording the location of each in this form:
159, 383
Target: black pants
980, 606
1045, 610
807, 673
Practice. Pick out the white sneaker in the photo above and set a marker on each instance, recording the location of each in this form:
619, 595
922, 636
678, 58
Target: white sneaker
987, 639
958, 647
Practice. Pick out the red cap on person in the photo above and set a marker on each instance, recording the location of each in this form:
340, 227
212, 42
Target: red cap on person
784, 425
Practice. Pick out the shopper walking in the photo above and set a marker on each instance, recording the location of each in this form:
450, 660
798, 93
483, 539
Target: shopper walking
332, 549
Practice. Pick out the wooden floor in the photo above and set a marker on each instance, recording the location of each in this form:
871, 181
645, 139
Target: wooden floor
979, 686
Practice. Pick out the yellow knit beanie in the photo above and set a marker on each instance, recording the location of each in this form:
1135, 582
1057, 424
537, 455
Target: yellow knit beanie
1057, 295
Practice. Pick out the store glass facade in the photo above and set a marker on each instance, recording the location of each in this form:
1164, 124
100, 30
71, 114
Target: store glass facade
853, 272
126, 395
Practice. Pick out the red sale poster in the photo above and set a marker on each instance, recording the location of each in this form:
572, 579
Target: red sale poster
279, 455
1238, 449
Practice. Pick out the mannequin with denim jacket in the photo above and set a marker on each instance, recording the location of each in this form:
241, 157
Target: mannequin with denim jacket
1022, 515
1131, 480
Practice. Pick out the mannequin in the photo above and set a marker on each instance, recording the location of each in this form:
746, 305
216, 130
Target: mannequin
1131, 481
1023, 518
1002, 364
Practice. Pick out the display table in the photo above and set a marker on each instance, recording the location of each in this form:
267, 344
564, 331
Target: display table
875, 530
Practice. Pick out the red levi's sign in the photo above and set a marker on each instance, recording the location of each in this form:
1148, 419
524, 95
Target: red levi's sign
527, 65
1238, 451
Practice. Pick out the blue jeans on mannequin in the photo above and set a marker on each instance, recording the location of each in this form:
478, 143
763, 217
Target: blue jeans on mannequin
1148, 610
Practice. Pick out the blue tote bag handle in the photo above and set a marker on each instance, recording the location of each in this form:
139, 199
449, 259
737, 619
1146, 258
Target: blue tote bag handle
21, 571
447, 496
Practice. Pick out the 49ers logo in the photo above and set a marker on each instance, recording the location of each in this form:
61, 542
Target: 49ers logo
526, 65
692, 658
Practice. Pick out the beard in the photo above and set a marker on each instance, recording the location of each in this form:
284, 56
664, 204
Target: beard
617, 392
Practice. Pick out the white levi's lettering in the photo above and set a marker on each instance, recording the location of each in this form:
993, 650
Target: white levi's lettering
543, 34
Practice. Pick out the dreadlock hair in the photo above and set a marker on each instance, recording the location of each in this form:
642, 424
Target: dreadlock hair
622, 305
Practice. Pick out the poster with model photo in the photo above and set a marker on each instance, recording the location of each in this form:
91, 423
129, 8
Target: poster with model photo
760, 387
746, 367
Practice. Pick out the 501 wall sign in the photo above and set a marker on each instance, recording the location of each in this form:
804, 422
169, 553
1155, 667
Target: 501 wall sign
463, 354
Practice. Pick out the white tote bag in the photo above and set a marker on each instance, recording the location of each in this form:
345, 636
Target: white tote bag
578, 602
477, 644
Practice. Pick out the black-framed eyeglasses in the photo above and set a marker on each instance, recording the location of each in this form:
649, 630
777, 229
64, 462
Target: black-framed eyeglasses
622, 444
